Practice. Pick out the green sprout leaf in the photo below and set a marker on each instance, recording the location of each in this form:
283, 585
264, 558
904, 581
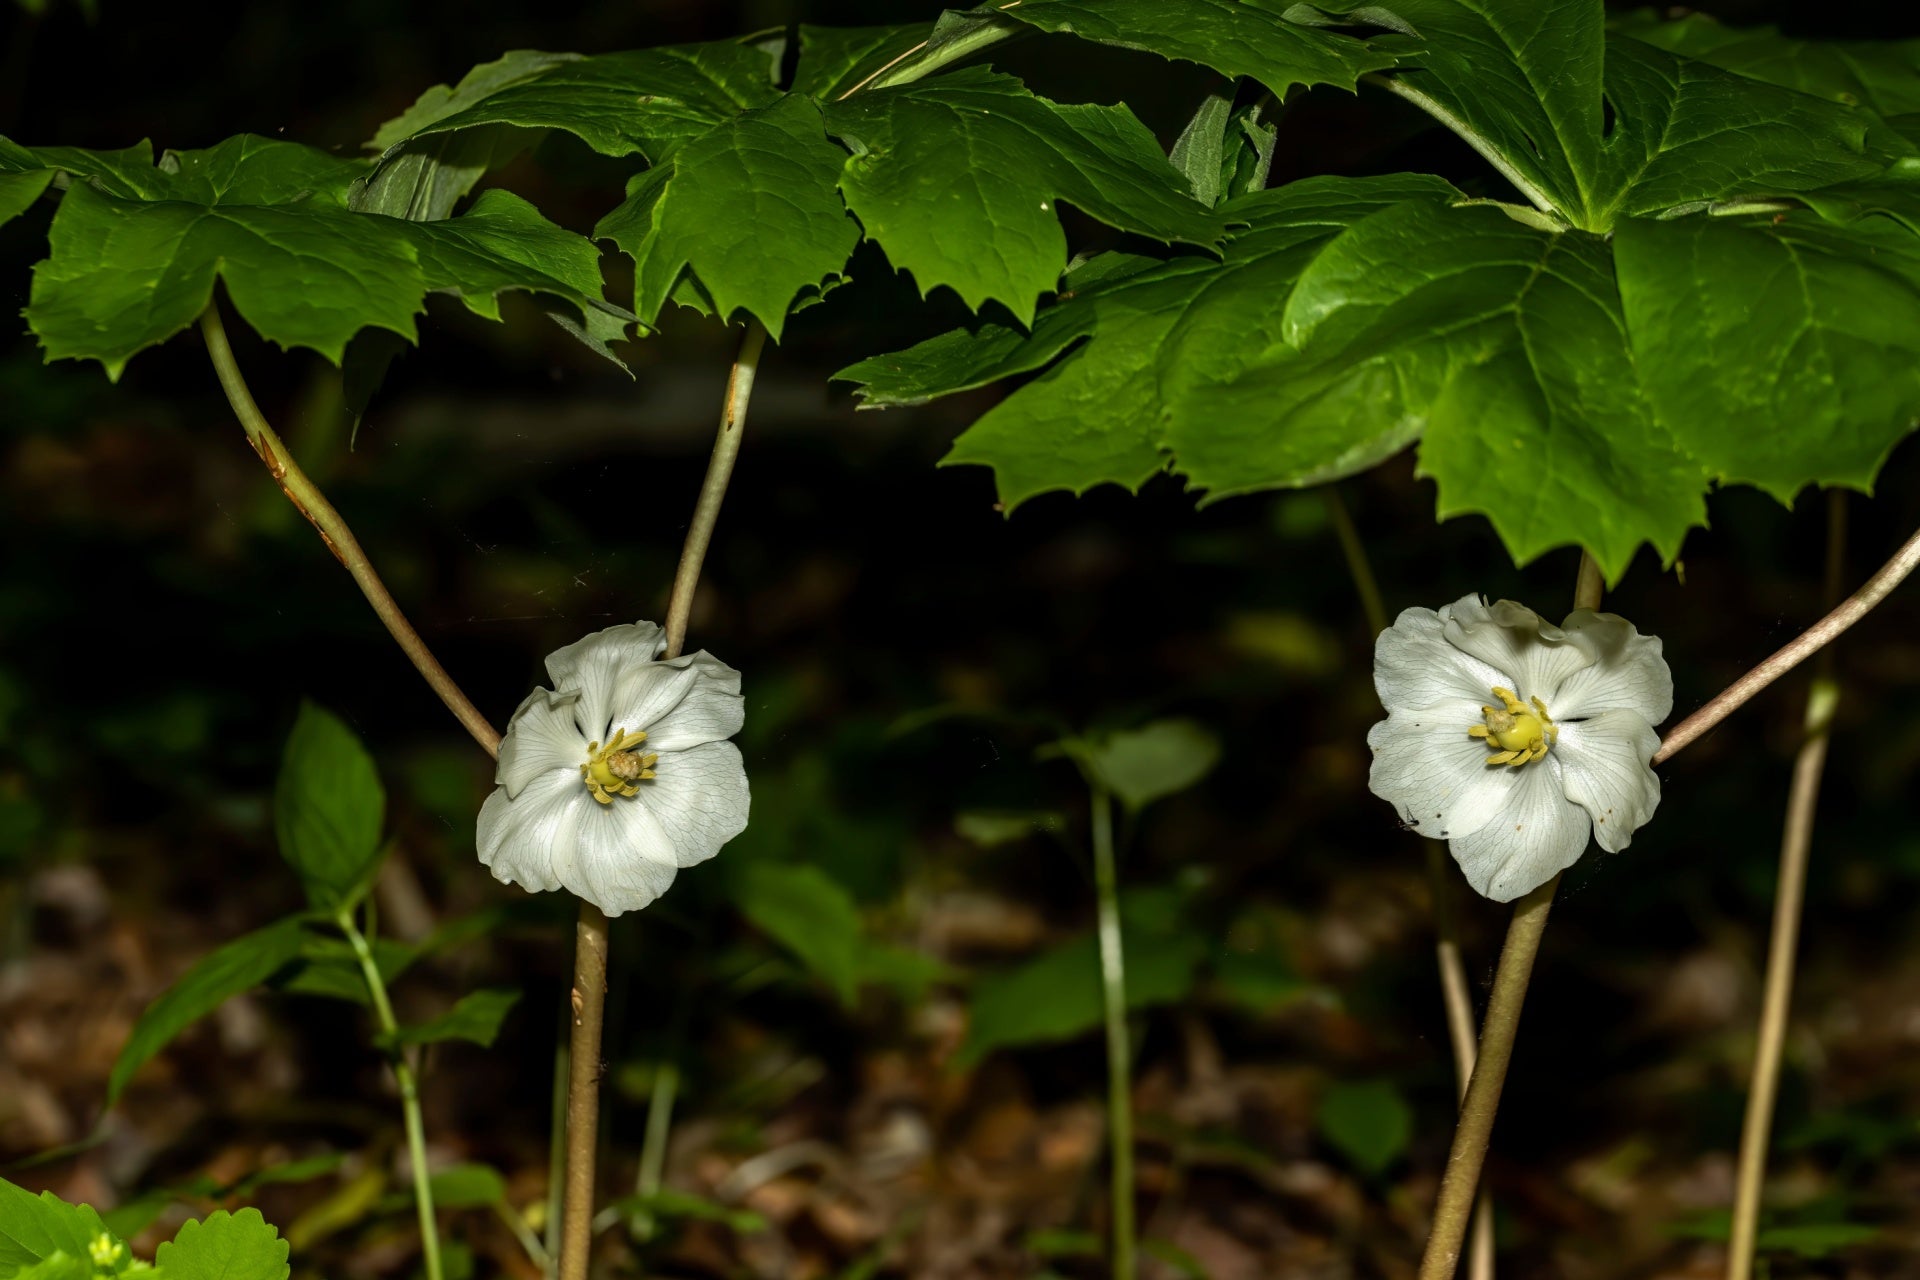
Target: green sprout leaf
833, 60
810, 914
225, 1246
34, 1228
1145, 764
958, 178
1369, 1122
328, 807
475, 1017
242, 964
1057, 995
749, 207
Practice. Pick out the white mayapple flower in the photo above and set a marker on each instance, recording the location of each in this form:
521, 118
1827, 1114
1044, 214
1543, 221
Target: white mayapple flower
619, 776
1513, 739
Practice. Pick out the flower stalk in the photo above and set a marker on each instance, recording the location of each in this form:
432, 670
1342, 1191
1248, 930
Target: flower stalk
590, 937
1113, 992
311, 503
1796, 844
1460, 1183
409, 1089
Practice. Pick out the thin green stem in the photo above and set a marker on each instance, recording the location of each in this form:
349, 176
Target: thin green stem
653, 1146
409, 1089
1796, 844
1461, 1181
590, 936
557, 1143
311, 503
1454, 993
515, 1222
1113, 988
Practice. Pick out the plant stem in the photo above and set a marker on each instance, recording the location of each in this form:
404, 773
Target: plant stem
713, 490
1459, 1005
1798, 650
1469, 1153
1477, 1111
409, 1090
590, 937
1454, 993
311, 503
1113, 988
583, 1089
1796, 843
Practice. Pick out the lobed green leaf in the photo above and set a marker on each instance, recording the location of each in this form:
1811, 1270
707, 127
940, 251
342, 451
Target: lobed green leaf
1263, 39
225, 1246
749, 208
957, 178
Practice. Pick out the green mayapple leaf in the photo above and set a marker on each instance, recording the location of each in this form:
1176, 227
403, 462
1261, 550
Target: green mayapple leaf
242, 964
835, 59
957, 178
1257, 38
1881, 75
328, 807
749, 207
136, 249
1151, 343
1598, 127
644, 101
1784, 350
475, 1017
225, 1246
18, 191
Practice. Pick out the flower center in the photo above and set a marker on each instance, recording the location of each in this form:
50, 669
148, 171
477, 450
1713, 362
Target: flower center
616, 769
1514, 732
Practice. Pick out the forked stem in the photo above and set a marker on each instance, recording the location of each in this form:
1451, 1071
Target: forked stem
311, 503
1454, 992
590, 938
1796, 843
1113, 993
1461, 1181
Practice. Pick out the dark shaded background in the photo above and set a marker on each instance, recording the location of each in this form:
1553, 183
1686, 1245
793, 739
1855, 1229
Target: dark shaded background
163, 612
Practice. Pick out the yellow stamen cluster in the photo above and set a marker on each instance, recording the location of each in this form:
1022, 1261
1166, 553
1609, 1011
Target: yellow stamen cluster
1516, 733
616, 769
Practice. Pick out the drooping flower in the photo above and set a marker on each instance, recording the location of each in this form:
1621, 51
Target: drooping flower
1515, 740
620, 774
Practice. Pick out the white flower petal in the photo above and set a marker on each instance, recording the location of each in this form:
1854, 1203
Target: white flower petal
1513, 639
623, 860
1540, 834
1603, 764
594, 667
700, 799
541, 738
1629, 672
1426, 766
1414, 665
529, 839
682, 703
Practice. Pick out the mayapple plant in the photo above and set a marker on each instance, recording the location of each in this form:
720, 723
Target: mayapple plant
1689, 261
